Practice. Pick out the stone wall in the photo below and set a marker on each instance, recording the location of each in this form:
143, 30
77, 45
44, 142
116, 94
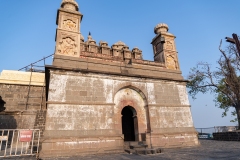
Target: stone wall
23, 100
20, 112
84, 112
22, 97
17, 120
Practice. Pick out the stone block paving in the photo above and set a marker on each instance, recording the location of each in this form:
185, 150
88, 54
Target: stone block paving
208, 150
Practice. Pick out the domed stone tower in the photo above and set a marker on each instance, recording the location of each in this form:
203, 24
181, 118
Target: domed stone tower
70, 5
164, 48
68, 37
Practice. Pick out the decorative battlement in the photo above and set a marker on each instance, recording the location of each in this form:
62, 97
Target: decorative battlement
114, 58
118, 50
70, 42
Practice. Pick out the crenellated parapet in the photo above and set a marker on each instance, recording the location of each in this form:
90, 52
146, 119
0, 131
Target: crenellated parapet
137, 53
127, 54
70, 42
118, 50
91, 45
104, 48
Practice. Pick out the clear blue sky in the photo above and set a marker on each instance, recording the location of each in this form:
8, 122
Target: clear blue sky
28, 33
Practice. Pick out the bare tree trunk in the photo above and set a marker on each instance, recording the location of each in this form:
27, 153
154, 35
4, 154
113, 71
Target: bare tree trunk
238, 116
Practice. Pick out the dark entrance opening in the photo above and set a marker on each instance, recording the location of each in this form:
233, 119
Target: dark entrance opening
128, 123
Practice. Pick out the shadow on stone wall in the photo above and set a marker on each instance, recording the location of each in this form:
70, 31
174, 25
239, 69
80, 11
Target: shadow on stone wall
6, 121
2, 103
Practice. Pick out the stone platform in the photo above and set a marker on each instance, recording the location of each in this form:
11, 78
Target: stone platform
208, 150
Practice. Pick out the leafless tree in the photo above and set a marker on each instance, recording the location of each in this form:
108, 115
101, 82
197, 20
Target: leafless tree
223, 81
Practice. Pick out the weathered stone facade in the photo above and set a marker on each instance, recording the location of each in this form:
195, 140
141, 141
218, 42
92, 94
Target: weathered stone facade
95, 97
88, 106
91, 89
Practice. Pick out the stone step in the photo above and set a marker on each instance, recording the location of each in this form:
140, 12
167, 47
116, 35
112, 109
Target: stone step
144, 151
134, 142
131, 144
140, 146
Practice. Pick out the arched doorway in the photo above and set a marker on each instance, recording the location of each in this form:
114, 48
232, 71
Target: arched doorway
129, 123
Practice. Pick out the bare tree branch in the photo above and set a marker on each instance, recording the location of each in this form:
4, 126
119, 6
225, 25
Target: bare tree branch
224, 82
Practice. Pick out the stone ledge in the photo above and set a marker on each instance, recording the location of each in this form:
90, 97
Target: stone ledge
18, 113
80, 152
82, 138
156, 66
81, 103
104, 103
79, 133
175, 130
109, 72
22, 78
168, 105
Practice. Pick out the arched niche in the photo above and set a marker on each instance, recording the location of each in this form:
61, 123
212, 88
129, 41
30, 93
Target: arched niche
140, 89
137, 100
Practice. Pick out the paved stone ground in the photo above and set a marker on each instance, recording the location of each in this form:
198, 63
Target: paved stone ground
208, 150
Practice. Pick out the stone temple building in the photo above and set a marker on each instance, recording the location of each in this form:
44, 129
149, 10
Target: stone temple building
95, 97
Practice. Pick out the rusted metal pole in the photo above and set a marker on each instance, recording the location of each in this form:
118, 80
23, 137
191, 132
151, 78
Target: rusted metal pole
29, 85
37, 61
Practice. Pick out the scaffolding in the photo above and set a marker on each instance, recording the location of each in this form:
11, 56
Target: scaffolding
35, 67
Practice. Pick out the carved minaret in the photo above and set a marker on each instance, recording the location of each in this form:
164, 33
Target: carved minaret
68, 32
164, 47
